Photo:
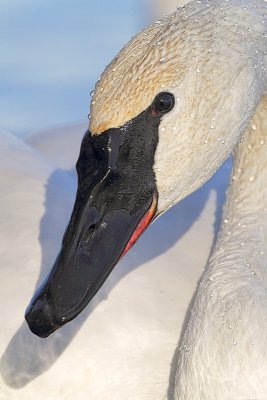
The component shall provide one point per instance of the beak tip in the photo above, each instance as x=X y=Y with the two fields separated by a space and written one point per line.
x=39 y=318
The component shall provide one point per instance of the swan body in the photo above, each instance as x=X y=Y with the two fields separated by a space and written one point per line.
x=183 y=92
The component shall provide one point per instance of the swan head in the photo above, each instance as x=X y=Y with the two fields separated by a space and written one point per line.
x=165 y=114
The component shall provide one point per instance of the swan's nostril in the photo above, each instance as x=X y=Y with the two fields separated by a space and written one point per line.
x=88 y=234
x=40 y=317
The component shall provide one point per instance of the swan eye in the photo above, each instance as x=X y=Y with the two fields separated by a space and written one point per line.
x=163 y=103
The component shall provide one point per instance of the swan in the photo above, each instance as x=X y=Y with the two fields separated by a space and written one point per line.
x=166 y=113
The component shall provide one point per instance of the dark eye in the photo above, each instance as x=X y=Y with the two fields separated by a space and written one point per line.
x=163 y=103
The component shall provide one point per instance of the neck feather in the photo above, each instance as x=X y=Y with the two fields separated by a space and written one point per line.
x=224 y=349
x=244 y=228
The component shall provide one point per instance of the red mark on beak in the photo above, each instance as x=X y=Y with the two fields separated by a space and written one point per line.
x=143 y=224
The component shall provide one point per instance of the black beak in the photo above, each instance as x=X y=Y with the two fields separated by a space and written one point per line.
x=116 y=200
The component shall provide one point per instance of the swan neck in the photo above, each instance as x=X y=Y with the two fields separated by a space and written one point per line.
x=242 y=240
x=220 y=339
x=246 y=203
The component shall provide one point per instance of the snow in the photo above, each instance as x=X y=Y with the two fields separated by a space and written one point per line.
x=124 y=345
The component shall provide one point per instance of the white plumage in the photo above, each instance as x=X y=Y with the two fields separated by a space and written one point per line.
x=221 y=47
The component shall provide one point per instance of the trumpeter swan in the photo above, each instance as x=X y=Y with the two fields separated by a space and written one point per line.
x=166 y=113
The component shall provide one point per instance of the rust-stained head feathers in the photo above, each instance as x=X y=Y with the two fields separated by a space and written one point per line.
x=147 y=65
x=197 y=55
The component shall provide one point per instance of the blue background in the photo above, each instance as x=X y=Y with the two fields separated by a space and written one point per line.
x=52 y=53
